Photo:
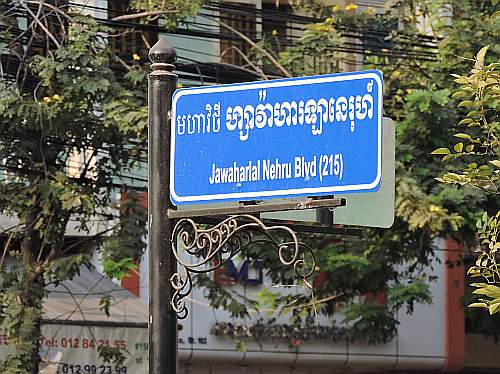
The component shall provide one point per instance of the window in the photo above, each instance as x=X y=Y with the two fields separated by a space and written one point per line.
x=242 y=18
x=124 y=42
x=274 y=29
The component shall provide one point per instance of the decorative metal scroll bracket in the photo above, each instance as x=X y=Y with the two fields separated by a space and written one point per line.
x=211 y=248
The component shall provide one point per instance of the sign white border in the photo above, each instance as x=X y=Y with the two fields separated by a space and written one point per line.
x=262 y=85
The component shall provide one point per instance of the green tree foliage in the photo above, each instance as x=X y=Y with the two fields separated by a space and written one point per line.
x=171 y=12
x=73 y=122
x=60 y=103
x=478 y=149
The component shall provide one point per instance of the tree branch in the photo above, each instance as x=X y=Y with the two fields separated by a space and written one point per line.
x=42 y=26
x=123 y=63
x=86 y=239
x=5 y=249
x=271 y=58
x=255 y=67
x=144 y=14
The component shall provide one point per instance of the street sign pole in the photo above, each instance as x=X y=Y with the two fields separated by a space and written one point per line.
x=162 y=322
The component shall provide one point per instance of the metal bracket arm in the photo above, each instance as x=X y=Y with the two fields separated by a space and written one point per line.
x=211 y=248
x=257 y=208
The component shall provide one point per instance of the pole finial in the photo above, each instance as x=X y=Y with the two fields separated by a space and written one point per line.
x=162 y=55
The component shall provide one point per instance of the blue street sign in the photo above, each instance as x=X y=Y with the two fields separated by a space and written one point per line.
x=289 y=137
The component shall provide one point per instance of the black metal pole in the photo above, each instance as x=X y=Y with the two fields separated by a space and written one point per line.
x=162 y=318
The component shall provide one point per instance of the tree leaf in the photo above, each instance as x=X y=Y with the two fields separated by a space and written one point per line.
x=480 y=57
x=441 y=151
x=465 y=103
x=496 y=163
x=458 y=95
x=466 y=121
x=477 y=305
x=494 y=308
x=462 y=136
x=478 y=284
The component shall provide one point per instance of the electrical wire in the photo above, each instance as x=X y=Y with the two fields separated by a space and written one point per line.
x=192 y=69
x=348 y=47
